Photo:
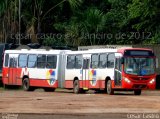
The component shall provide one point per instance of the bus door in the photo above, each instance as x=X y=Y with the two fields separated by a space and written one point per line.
x=85 y=72
x=118 y=69
x=12 y=71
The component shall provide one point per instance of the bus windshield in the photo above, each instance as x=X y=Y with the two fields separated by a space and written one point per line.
x=139 y=66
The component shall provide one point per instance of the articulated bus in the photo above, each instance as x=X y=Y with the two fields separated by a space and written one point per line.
x=131 y=69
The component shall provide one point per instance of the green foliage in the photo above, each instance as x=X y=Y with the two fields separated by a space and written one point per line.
x=81 y=26
x=146 y=14
x=75 y=3
x=85 y=22
x=2 y=6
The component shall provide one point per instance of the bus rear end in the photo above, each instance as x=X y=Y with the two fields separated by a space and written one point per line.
x=3 y=47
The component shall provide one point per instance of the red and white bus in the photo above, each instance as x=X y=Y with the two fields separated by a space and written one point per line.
x=110 y=69
x=31 y=69
x=130 y=69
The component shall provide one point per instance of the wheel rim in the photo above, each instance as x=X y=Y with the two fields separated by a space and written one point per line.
x=76 y=87
x=108 y=87
x=25 y=84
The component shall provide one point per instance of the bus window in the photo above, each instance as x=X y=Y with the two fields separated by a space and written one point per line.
x=70 y=62
x=32 y=60
x=11 y=62
x=110 y=62
x=41 y=61
x=78 y=63
x=85 y=63
x=22 y=60
x=6 y=60
x=103 y=61
x=15 y=62
x=51 y=62
x=94 y=61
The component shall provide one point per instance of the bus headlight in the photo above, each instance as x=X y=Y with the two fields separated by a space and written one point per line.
x=127 y=80
x=152 y=81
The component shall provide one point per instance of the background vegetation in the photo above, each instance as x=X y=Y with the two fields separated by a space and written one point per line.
x=80 y=22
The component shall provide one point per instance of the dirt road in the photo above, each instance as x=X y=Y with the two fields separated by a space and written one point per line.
x=65 y=104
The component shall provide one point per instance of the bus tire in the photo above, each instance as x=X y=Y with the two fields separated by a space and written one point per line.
x=137 y=92
x=26 y=85
x=76 y=87
x=49 y=89
x=110 y=91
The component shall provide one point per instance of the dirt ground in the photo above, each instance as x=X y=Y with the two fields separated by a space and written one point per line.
x=66 y=105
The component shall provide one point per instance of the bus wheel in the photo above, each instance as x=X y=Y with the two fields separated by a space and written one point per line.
x=49 y=89
x=110 y=91
x=137 y=92
x=26 y=85
x=76 y=88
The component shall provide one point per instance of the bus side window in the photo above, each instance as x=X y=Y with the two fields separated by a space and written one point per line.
x=51 y=62
x=103 y=61
x=94 y=61
x=70 y=61
x=22 y=62
x=41 y=61
x=15 y=62
x=32 y=61
x=6 y=60
x=110 y=60
x=11 y=62
x=78 y=62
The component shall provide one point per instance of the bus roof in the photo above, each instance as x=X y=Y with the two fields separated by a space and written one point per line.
x=92 y=51
x=122 y=50
x=33 y=51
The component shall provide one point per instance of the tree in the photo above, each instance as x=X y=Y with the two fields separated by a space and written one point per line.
x=81 y=22
x=36 y=14
x=145 y=16
x=9 y=22
x=84 y=27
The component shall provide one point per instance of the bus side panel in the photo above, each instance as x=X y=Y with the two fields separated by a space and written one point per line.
x=5 y=75
x=19 y=76
x=100 y=84
x=69 y=84
x=96 y=78
x=43 y=83
x=70 y=75
x=101 y=75
x=14 y=76
x=42 y=77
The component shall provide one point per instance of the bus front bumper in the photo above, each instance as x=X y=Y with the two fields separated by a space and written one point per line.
x=128 y=84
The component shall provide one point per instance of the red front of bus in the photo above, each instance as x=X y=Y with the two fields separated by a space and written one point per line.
x=138 y=72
